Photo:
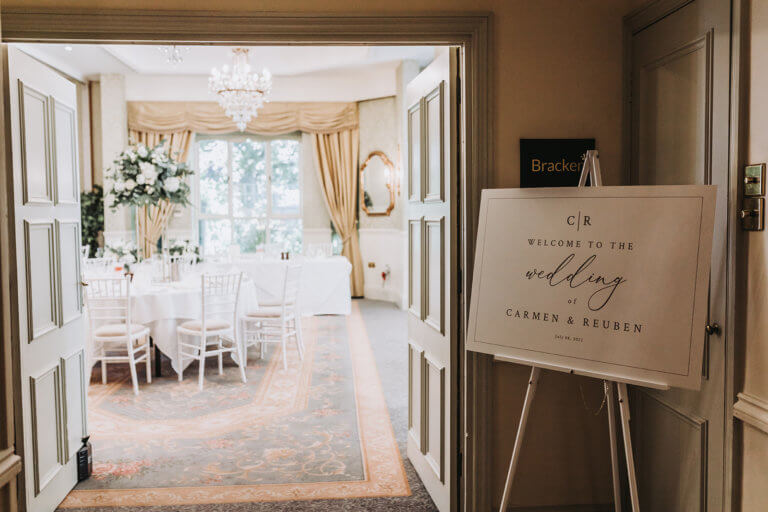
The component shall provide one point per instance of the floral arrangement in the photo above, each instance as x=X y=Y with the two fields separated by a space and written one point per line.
x=147 y=176
x=125 y=252
x=178 y=247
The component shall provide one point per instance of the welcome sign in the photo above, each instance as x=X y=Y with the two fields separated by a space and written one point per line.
x=607 y=281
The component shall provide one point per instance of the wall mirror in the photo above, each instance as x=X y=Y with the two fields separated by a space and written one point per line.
x=376 y=183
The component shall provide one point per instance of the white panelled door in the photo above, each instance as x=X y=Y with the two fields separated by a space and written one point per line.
x=46 y=206
x=431 y=99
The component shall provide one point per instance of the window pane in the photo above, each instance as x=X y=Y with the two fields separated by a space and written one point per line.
x=285 y=177
x=250 y=234
x=215 y=236
x=212 y=163
x=249 y=178
x=286 y=234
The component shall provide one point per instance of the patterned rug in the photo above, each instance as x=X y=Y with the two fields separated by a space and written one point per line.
x=319 y=430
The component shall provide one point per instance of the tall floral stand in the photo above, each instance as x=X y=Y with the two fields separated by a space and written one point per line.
x=151 y=221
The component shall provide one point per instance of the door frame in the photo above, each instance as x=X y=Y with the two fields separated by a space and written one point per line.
x=634 y=22
x=10 y=461
x=471 y=31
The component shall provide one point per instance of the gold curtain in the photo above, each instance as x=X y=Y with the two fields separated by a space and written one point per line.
x=273 y=118
x=152 y=220
x=336 y=161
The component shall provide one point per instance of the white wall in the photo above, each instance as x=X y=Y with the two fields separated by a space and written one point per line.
x=382 y=238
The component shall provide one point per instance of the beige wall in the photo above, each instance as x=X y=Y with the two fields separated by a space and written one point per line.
x=557 y=73
x=752 y=360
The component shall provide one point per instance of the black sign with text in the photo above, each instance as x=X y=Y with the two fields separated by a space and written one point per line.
x=552 y=162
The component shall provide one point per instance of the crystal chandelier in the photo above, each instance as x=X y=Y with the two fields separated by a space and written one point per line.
x=240 y=92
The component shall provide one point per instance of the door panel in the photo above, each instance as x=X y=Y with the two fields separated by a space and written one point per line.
x=670 y=460
x=74 y=393
x=42 y=106
x=680 y=67
x=432 y=242
x=67 y=172
x=47 y=429
x=40 y=278
x=35 y=150
x=434 y=273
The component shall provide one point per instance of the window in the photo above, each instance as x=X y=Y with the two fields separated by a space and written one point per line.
x=249 y=191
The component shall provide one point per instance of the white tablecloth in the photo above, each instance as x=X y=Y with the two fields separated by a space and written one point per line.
x=324 y=282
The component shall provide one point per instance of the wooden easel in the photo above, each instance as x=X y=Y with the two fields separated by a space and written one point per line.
x=590 y=169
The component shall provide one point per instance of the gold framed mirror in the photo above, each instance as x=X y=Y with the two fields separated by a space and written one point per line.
x=377 y=190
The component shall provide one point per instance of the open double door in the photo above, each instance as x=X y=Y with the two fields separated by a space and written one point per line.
x=46 y=217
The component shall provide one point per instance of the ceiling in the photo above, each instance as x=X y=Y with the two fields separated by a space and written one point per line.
x=85 y=60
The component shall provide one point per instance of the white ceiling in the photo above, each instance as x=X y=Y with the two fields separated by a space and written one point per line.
x=83 y=61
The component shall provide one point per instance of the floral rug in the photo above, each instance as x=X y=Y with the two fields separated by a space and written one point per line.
x=319 y=430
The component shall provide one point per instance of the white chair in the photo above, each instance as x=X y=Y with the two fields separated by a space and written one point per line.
x=277 y=321
x=216 y=325
x=116 y=338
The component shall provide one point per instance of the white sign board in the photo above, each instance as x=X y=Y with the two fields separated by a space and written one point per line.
x=608 y=281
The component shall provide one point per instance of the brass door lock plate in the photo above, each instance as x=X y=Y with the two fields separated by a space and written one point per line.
x=751 y=215
x=754 y=180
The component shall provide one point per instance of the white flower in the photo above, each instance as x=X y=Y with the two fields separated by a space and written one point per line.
x=128 y=258
x=150 y=190
x=119 y=186
x=140 y=179
x=131 y=155
x=173 y=168
x=172 y=184
x=129 y=185
x=110 y=199
x=149 y=172
x=142 y=151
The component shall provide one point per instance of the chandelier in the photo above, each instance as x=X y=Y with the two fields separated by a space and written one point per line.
x=240 y=92
x=174 y=55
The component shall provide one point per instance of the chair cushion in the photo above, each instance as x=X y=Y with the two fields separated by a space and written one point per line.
x=266 y=312
x=210 y=325
x=108 y=330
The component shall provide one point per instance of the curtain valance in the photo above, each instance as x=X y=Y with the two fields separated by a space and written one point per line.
x=273 y=119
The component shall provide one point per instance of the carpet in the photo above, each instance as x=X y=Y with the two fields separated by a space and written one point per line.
x=317 y=431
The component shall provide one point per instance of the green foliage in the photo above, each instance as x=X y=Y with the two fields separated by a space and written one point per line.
x=92 y=213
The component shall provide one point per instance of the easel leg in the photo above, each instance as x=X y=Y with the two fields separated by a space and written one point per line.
x=529 y=394
x=610 y=397
x=624 y=410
